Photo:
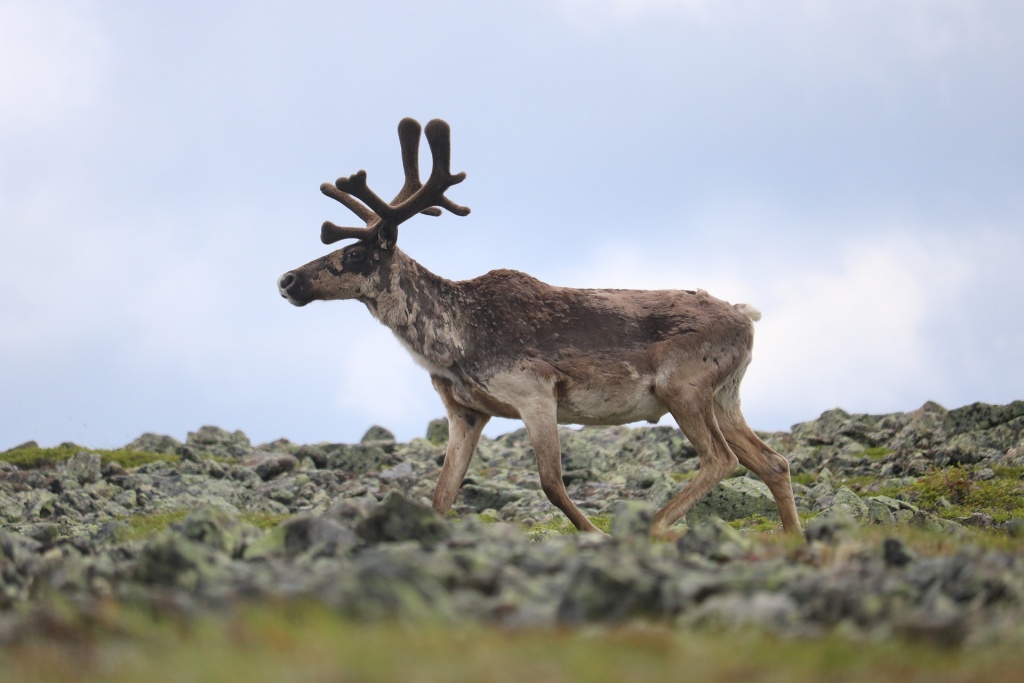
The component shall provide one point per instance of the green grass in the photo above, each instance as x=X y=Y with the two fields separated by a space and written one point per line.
x=303 y=642
x=949 y=492
x=876 y=453
x=757 y=523
x=560 y=524
x=143 y=526
x=953 y=492
x=35 y=457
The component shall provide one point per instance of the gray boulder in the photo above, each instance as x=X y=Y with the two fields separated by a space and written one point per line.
x=219 y=442
x=734 y=499
x=399 y=519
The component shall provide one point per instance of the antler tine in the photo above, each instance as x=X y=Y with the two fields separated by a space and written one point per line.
x=432 y=194
x=439 y=137
x=350 y=202
x=413 y=198
x=409 y=137
x=330 y=233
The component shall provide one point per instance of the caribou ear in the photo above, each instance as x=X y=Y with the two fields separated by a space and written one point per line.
x=387 y=236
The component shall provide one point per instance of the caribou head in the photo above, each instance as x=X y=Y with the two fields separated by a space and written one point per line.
x=354 y=271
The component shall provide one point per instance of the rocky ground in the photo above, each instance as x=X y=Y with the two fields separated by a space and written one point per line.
x=914 y=525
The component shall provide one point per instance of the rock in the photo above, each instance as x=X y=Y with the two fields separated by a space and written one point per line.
x=846 y=503
x=895 y=553
x=359 y=458
x=388 y=585
x=977 y=519
x=218 y=529
x=1014 y=527
x=399 y=519
x=304 y=534
x=611 y=588
x=83 y=467
x=437 y=431
x=920 y=430
x=487 y=496
x=155 y=443
x=83 y=537
x=377 y=433
x=314 y=453
x=269 y=465
x=10 y=509
x=734 y=499
x=924 y=520
x=716 y=540
x=170 y=559
x=402 y=470
x=878 y=513
x=730 y=611
x=219 y=442
x=829 y=528
x=632 y=518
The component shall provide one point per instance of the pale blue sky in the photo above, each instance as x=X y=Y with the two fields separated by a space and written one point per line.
x=853 y=169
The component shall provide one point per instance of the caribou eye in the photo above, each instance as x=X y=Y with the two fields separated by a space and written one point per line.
x=354 y=256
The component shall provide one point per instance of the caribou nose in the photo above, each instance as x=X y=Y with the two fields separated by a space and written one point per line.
x=285 y=282
x=292 y=286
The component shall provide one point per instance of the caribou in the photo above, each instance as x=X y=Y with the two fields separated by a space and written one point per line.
x=506 y=344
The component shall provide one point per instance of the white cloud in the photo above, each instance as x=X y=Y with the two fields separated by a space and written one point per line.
x=867 y=31
x=856 y=334
x=848 y=327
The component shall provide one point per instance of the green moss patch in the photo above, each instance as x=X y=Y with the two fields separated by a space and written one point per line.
x=33 y=457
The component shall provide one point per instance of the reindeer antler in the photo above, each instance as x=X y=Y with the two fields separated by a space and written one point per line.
x=413 y=198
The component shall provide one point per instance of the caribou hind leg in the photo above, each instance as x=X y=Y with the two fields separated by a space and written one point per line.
x=542 y=426
x=694 y=412
x=761 y=459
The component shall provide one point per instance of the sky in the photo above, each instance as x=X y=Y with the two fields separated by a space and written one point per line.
x=852 y=168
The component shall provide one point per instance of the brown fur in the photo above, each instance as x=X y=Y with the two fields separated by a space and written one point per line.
x=506 y=344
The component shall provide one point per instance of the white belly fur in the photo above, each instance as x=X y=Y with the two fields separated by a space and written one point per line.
x=592 y=406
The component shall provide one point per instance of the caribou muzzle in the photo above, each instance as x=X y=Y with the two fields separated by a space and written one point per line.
x=293 y=287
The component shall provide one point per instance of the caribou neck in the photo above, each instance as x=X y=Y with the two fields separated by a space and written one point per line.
x=414 y=304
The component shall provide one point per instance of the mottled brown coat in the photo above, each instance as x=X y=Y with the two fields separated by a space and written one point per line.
x=506 y=344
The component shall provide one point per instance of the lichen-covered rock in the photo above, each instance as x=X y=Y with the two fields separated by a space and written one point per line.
x=218 y=529
x=714 y=539
x=831 y=528
x=846 y=503
x=219 y=442
x=611 y=588
x=10 y=508
x=734 y=499
x=156 y=443
x=356 y=459
x=632 y=518
x=83 y=467
x=304 y=534
x=269 y=464
x=437 y=431
x=377 y=433
x=399 y=519
x=356 y=531
x=171 y=559
x=488 y=495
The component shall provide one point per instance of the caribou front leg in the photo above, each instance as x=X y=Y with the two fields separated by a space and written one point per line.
x=464 y=428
